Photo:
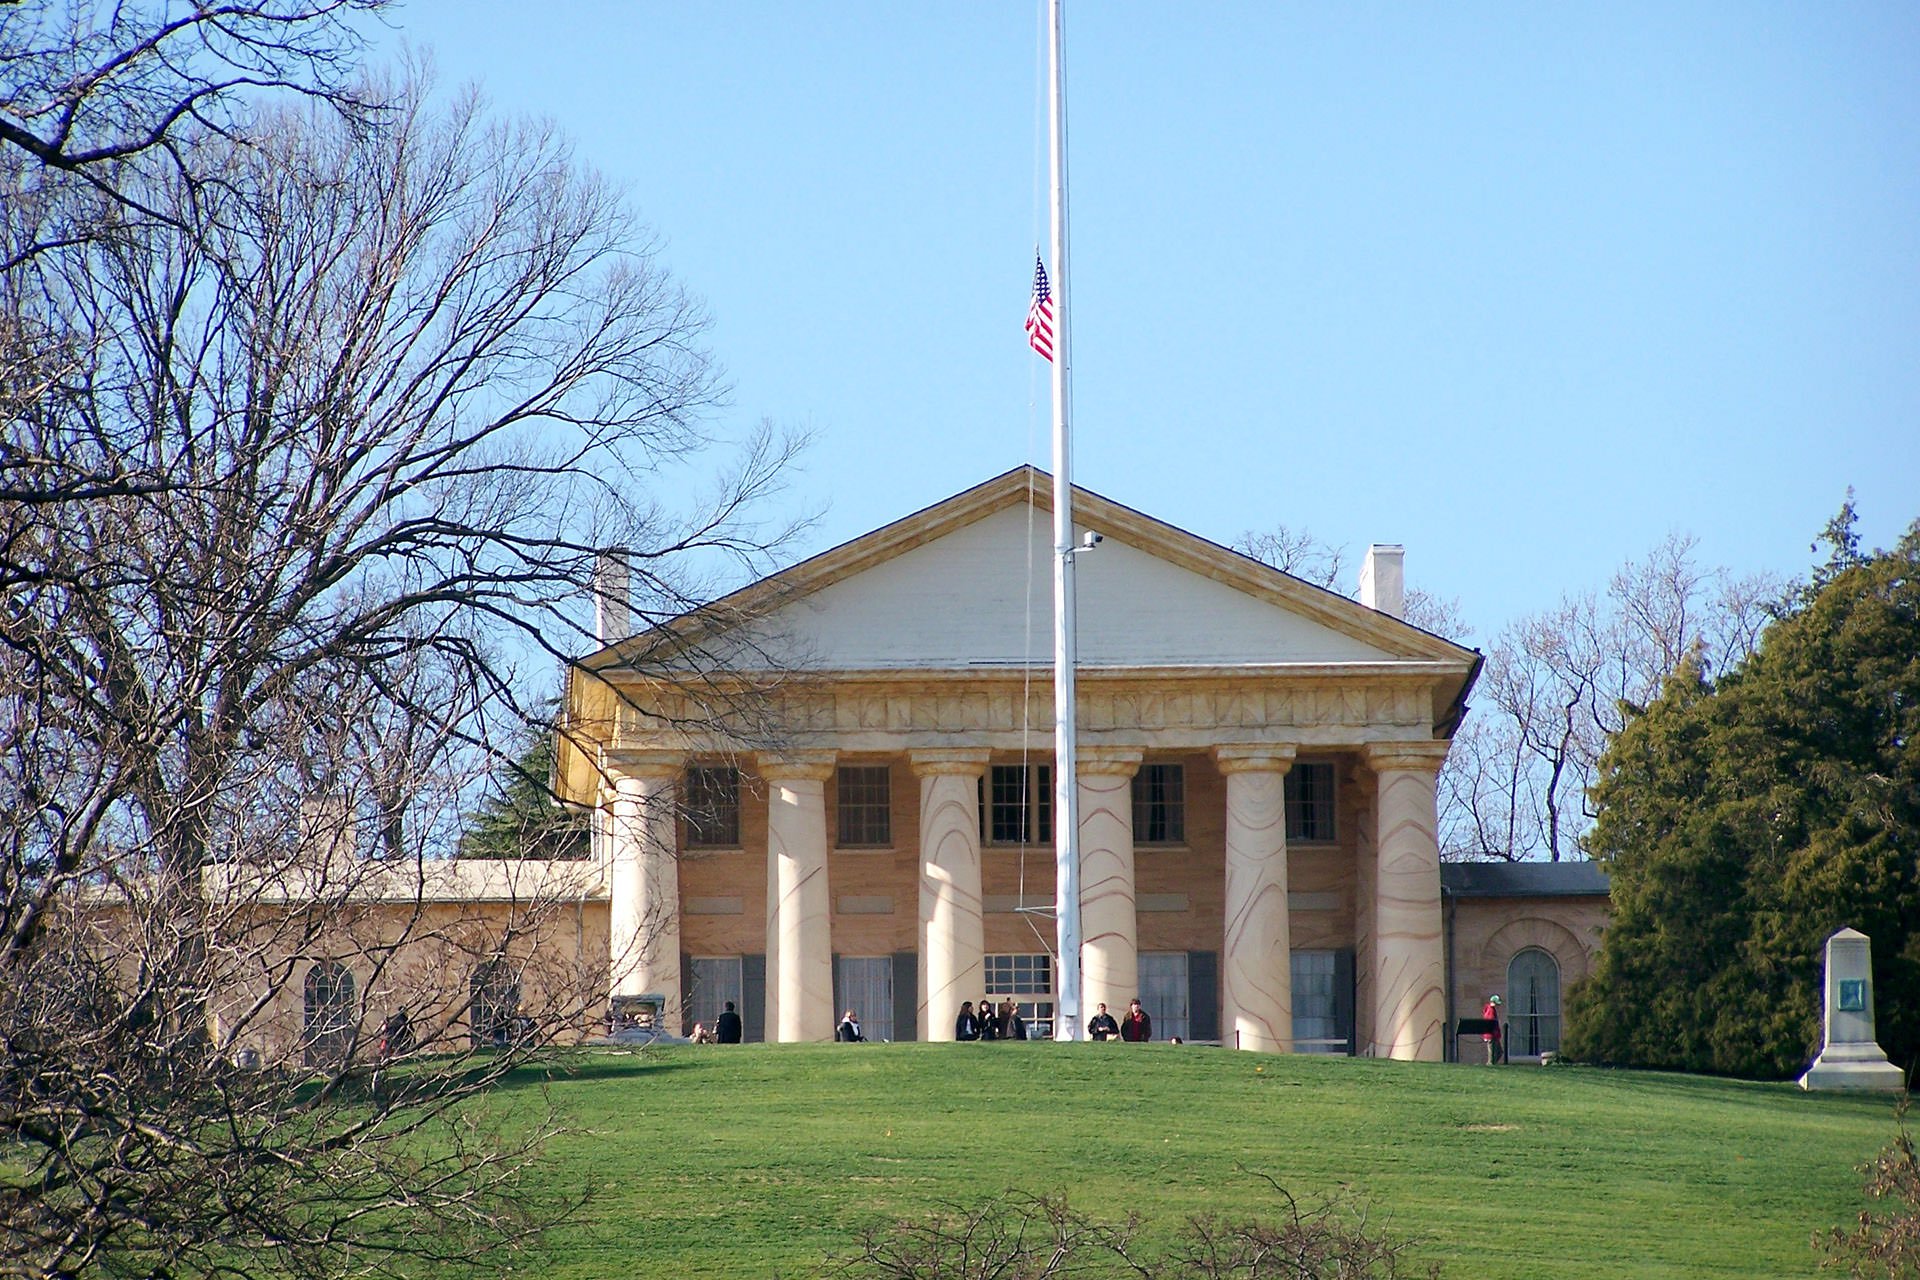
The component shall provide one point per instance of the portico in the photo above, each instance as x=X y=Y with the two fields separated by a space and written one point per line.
x=1256 y=767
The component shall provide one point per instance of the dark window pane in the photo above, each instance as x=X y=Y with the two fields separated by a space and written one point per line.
x=1160 y=804
x=1309 y=791
x=713 y=806
x=864 y=804
x=1019 y=804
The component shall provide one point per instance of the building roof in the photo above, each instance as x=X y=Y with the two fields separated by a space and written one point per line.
x=1336 y=628
x=959 y=594
x=1522 y=880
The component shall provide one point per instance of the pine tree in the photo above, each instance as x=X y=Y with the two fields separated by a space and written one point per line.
x=520 y=817
x=1746 y=820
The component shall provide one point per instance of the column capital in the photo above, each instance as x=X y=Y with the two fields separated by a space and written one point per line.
x=933 y=762
x=795 y=766
x=1112 y=762
x=1252 y=758
x=1420 y=757
x=643 y=764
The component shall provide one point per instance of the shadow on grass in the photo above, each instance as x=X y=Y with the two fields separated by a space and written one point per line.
x=1730 y=1091
x=584 y=1066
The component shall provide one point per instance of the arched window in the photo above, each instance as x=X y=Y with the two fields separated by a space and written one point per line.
x=493 y=1011
x=1533 y=1004
x=330 y=1021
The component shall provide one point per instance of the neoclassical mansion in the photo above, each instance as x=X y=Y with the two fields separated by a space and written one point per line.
x=832 y=790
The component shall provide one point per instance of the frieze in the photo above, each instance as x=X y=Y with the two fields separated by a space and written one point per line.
x=1262 y=708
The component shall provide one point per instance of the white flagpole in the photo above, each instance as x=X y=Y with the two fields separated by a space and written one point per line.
x=1066 y=791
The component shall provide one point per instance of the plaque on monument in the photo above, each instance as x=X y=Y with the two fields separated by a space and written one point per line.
x=1851 y=1058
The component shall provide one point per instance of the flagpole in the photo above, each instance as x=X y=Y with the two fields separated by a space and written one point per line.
x=1066 y=793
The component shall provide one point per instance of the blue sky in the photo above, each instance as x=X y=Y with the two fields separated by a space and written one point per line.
x=1523 y=288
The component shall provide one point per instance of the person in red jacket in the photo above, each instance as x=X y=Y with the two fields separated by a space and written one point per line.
x=1496 y=1044
x=1136 y=1027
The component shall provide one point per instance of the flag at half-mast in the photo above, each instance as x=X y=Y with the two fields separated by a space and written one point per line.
x=1040 y=311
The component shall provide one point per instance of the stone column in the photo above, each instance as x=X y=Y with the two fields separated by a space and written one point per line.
x=1256 y=962
x=1361 y=800
x=952 y=932
x=1109 y=923
x=1409 y=967
x=799 y=926
x=643 y=878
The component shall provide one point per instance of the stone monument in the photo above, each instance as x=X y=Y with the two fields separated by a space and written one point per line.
x=1851 y=1058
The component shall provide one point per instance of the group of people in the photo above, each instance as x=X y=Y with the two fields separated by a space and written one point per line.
x=1135 y=1028
x=726 y=1029
x=989 y=1022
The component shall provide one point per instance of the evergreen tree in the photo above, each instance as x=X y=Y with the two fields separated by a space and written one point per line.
x=520 y=817
x=1744 y=821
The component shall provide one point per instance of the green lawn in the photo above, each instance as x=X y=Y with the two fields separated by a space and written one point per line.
x=764 y=1160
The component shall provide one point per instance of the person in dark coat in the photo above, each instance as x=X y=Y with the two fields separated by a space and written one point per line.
x=966 y=1026
x=988 y=1029
x=396 y=1034
x=1102 y=1025
x=849 y=1028
x=1136 y=1027
x=1016 y=1025
x=726 y=1027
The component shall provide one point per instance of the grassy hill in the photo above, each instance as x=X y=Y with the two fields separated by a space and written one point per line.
x=763 y=1160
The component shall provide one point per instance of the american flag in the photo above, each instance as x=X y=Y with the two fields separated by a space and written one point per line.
x=1040 y=311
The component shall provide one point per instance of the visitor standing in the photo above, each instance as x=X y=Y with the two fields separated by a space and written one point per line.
x=726 y=1027
x=1496 y=1047
x=1137 y=1027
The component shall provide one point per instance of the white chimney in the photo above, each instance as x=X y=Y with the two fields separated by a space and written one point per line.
x=1383 y=579
x=612 y=601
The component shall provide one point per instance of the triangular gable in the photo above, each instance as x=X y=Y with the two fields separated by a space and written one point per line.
x=968 y=583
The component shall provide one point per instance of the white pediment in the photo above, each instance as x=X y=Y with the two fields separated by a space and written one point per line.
x=982 y=595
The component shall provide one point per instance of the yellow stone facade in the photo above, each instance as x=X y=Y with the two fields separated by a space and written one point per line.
x=1302 y=689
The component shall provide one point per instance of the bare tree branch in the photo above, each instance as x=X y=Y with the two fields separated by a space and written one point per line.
x=305 y=483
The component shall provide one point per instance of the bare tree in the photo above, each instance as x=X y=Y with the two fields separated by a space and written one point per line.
x=302 y=477
x=1298 y=552
x=91 y=92
x=1560 y=683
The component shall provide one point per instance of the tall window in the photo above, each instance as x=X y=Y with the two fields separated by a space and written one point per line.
x=864 y=804
x=865 y=984
x=1533 y=1004
x=713 y=807
x=1018 y=806
x=327 y=1033
x=1309 y=791
x=716 y=980
x=1163 y=993
x=1027 y=980
x=1316 y=1009
x=1160 y=804
x=493 y=1007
